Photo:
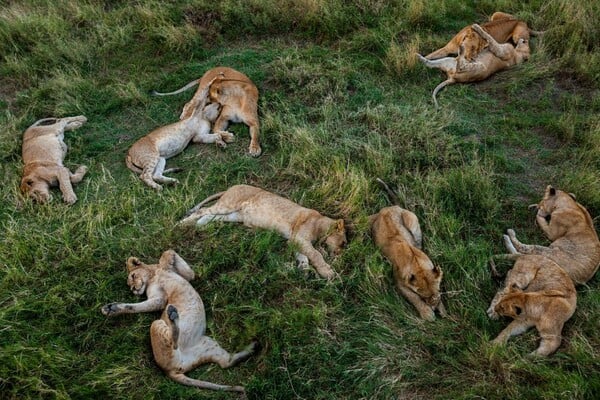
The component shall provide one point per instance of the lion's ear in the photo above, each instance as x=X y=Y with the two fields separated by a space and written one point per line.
x=133 y=263
x=436 y=270
x=340 y=225
x=550 y=190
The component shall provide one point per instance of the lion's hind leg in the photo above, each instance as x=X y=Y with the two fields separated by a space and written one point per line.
x=164 y=348
x=524 y=248
x=205 y=351
x=184 y=380
x=148 y=172
x=203 y=216
x=79 y=174
x=208 y=350
x=446 y=64
x=159 y=170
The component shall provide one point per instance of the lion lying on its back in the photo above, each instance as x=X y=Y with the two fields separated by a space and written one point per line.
x=178 y=338
x=257 y=208
x=43 y=153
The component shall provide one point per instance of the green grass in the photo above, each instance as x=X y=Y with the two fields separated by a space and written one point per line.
x=342 y=102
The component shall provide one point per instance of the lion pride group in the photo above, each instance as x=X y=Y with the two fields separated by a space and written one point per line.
x=539 y=290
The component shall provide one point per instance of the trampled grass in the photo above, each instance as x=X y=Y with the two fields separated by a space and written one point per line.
x=342 y=102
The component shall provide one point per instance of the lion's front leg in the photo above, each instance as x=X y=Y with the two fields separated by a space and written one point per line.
x=516 y=327
x=316 y=259
x=504 y=51
x=424 y=309
x=170 y=259
x=64 y=182
x=152 y=304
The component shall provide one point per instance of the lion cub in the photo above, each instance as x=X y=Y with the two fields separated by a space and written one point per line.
x=178 y=338
x=537 y=292
x=44 y=150
x=398 y=234
x=257 y=208
x=148 y=156
x=575 y=245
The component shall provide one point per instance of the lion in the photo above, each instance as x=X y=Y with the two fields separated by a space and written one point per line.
x=537 y=292
x=575 y=245
x=44 y=150
x=257 y=208
x=397 y=233
x=502 y=27
x=238 y=97
x=496 y=57
x=148 y=156
x=178 y=338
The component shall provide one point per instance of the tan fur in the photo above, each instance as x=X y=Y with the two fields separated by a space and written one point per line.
x=44 y=150
x=398 y=234
x=238 y=97
x=178 y=338
x=575 y=245
x=257 y=208
x=502 y=27
x=148 y=155
x=496 y=57
x=537 y=292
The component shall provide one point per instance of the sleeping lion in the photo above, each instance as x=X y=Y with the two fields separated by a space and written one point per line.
x=257 y=208
x=537 y=293
x=398 y=234
x=44 y=150
x=178 y=338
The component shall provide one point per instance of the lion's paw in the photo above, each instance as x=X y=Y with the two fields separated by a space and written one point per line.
x=110 y=309
x=70 y=199
x=172 y=313
x=227 y=136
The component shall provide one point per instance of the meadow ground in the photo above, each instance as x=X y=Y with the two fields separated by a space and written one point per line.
x=343 y=101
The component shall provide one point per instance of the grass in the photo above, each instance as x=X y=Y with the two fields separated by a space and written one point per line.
x=342 y=102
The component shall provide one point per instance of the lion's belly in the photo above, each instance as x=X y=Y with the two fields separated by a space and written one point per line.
x=269 y=216
x=170 y=147
x=45 y=149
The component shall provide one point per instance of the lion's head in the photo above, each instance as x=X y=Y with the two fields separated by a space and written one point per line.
x=553 y=200
x=139 y=275
x=511 y=305
x=471 y=45
x=36 y=188
x=336 y=240
x=421 y=276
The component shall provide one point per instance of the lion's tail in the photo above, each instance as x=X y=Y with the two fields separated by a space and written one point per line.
x=184 y=380
x=203 y=202
x=439 y=87
x=536 y=33
x=132 y=166
x=183 y=89
x=393 y=195
x=41 y=121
